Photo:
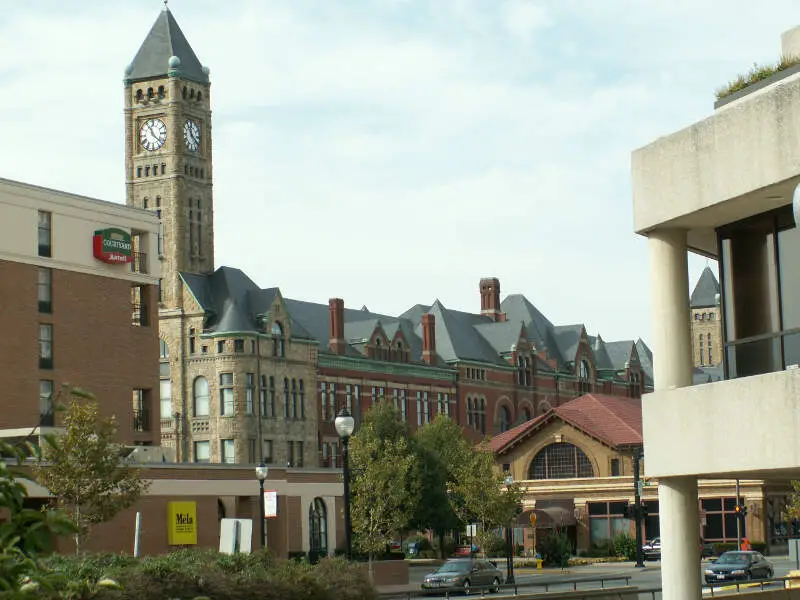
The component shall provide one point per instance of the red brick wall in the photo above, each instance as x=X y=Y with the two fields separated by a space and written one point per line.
x=95 y=347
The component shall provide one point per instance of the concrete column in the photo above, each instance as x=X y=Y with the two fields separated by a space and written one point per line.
x=679 y=517
x=669 y=273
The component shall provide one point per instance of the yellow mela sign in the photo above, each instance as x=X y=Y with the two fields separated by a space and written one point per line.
x=182 y=523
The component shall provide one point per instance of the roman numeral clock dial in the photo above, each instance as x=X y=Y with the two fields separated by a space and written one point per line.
x=191 y=135
x=153 y=134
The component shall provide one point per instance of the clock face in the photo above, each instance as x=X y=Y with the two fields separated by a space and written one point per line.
x=153 y=134
x=191 y=135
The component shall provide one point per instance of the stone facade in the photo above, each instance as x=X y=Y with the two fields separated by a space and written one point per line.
x=706 y=324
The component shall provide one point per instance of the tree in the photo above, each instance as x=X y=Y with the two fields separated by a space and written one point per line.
x=83 y=469
x=440 y=447
x=384 y=492
x=792 y=510
x=480 y=494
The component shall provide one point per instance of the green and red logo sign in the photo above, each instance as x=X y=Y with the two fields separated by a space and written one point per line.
x=113 y=246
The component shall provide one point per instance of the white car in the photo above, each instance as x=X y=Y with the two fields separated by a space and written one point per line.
x=652 y=549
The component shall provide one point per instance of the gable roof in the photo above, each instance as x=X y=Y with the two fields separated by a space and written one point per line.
x=706 y=290
x=164 y=41
x=614 y=420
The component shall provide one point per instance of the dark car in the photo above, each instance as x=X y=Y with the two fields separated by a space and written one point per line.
x=652 y=549
x=737 y=566
x=463 y=574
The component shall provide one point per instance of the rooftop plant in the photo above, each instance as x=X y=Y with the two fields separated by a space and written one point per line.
x=755 y=74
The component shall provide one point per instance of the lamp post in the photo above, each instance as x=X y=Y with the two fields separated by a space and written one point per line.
x=509 y=480
x=637 y=515
x=261 y=475
x=345 y=424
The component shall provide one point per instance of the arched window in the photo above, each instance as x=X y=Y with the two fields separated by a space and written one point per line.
x=150 y=92
x=505 y=419
x=585 y=374
x=139 y=95
x=469 y=411
x=560 y=461
x=482 y=415
x=201 y=404
x=526 y=414
x=278 y=348
x=184 y=92
x=318 y=527
x=199 y=96
x=161 y=91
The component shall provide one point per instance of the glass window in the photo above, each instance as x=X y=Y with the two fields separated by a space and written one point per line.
x=238 y=346
x=560 y=461
x=227 y=451
x=267 y=451
x=202 y=452
x=45 y=233
x=271 y=396
x=286 y=413
x=45 y=346
x=249 y=392
x=201 y=399
x=226 y=402
x=615 y=467
x=505 y=418
x=166 y=399
x=46 y=414
x=45 y=290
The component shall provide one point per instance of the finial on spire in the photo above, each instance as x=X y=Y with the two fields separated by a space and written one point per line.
x=165 y=4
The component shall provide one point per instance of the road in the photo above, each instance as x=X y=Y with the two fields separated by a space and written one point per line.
x=643 y=578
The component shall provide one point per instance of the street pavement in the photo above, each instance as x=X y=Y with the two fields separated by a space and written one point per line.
x=580 y=577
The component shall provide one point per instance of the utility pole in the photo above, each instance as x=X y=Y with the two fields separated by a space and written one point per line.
x=637 y=514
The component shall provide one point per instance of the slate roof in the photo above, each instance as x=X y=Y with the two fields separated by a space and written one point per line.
x=233 y=302
x=707 y=374
x=164 y=41
x=645 y=359
x=613 y=420
x=706 y=290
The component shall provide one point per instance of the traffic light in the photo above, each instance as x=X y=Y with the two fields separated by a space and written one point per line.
x=644 y=510
x=629 y=512
x=741 y=510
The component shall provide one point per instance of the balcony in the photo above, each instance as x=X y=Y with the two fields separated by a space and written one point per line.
x=743 y=427
x=141 y=420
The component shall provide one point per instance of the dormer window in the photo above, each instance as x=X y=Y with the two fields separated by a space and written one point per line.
x=278 y=343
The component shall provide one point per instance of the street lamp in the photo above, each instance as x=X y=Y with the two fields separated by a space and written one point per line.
x=345 y=424
x=509 y=480
x=261 y=475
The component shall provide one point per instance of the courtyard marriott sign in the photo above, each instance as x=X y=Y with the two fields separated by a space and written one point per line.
x=113 y=246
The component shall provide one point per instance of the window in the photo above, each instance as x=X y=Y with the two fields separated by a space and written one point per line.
x=505 y=418
x=45 y=233
x=267 y=450
x=606 y=521
x=419 y=408
x=760 y=284
x=46 y=413
x=166 y=398
x=323 y=400
x=615 y=472
x=560 y=461
x=278 y=347
x=720 y=519
x=331 y=402
x=249 y=392
x=272 y=396
x=238 y=346
x=251 y=450
x=403 y=405
x=447 y=405
x=220 y=346
x=252 y=346
x=318 y=528
x=285 y=398
x=45 y=290
x=192 y=341
x=163 y=349
x=202 y=452
x=201 y=400
x=426 y=408
x=295 y=410
x=262 y=396
x=298 y=454
x=289 y=454
x=140 y=316
x=227 y=452
x=302 y=399
x=226 y=402
x=585 y=375
x=45 y=346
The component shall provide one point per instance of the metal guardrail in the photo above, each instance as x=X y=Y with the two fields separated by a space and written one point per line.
x=514 y=588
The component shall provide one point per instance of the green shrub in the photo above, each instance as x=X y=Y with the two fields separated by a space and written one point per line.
x=556 y=549
x=423 y=543
x=494 y=545
x=449 y=545
x=624 y=546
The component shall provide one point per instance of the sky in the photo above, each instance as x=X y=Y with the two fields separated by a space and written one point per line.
x=392 y=152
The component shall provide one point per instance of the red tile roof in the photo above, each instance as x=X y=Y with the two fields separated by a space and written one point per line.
x=614 y=420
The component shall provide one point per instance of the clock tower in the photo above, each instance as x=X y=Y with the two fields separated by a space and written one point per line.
x=168 y=167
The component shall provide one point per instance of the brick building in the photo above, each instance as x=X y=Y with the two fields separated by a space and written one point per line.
x=77 y=304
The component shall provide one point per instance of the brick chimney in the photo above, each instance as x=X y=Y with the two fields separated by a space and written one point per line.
x=429 y=339
x=336 y=342
x=490 y=299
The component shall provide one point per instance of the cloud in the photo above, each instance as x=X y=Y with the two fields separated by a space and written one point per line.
x=393 y=152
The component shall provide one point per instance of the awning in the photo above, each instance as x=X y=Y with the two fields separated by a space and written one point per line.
x=550 y=514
